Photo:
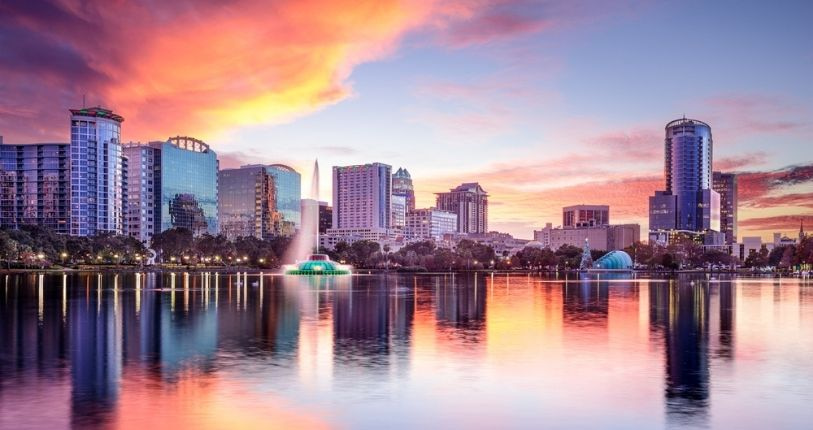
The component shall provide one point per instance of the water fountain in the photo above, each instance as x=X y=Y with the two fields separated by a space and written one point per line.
x=305 y=248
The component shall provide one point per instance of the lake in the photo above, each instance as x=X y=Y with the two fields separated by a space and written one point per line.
x=208 y=351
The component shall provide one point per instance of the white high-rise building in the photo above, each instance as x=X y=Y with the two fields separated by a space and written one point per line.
x=362 y=196
x=143 y=191
x=362 y=204
x=97 y=182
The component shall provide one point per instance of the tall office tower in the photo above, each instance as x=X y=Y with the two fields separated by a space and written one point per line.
x=35 y=185
x=247 y=203
x=585 y=216
x=96 y=173
x=171 y=184
x=402 y=186
x=288 y=193
x=470 y=202
x=361 y=196
x=688 y=204
x=144 y=189
x=399 y=212
x=726 y=185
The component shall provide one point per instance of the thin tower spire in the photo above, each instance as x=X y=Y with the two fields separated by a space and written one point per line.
x=315 y=195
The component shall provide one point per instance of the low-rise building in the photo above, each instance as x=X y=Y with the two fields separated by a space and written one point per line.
x=604 y=237
x=429 y=224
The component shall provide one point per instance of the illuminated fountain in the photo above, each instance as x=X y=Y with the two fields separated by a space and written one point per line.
x=305 y=247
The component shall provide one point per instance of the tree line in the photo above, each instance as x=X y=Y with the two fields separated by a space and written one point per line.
x=34 y=246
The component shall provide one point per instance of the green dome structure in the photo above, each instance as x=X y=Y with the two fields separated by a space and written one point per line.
x=614 y=260
x=317 y=264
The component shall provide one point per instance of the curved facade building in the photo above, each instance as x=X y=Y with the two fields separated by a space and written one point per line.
x=188 y=184
x=97 y=177
x=688 y=150
x=688 y=203
x=171 y=183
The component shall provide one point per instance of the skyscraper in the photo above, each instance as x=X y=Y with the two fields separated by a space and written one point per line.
x=188 y=185
x=399 y=212
x=726 y=185
x=361 y=196
x=288 y=193
x=470 y=202
x=171 y=184
x=247 y=203
x=143 y=191
x=35 y=185
x=96 y=172
x=362 y=205
x=688 y=204
x=402 y=186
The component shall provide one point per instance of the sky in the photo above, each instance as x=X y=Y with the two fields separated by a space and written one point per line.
x=544 y=103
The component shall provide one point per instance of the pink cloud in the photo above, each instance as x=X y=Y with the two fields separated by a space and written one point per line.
x=738 y=162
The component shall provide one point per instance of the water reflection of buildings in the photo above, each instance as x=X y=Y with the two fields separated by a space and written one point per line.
x=361 y=328
x=681 y=312
x=96 y=348
x=586 y=302
x=460 y=303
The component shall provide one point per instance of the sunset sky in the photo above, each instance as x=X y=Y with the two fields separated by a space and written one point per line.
x=545 y=103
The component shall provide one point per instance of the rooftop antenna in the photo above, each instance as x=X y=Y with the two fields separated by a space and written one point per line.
x=83 y=101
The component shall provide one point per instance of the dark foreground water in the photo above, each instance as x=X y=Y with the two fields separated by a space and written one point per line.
x=220 y=352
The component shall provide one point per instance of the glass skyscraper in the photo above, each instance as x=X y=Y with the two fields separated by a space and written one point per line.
x=188 y=183
x=96 y=172
x=688 y=204
x=171 y=184
x=726 y=185
x=34 y=185
x=288 y=183
x=288 y=195
x=247 y=203
x=402 y=186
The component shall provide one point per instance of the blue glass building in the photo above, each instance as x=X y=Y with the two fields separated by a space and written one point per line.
x=188 y=184
x=688 y=204
x=288 y=194
x=171 y=184
x=96 y=172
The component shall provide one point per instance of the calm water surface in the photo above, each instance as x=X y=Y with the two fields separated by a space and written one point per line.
x=147 y=351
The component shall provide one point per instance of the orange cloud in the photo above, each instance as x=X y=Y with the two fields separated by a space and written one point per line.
x=200 y=67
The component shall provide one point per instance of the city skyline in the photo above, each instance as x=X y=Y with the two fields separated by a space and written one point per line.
x=531 y=102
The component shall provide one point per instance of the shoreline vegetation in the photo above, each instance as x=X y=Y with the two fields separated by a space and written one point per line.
x=637 y=273
x=33 y=248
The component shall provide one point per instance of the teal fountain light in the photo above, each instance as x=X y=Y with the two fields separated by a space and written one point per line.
x=317 y=264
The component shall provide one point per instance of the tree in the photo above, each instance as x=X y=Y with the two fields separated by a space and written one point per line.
x=716 y=257
x=568 y=256
x=174 y=242
x=757 y=259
